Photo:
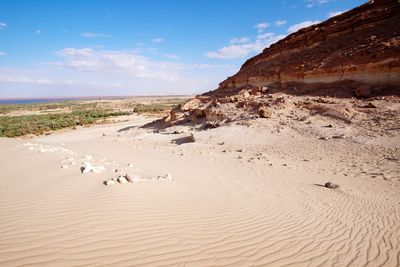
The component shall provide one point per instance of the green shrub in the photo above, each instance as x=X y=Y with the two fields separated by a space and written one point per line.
x=13 y=126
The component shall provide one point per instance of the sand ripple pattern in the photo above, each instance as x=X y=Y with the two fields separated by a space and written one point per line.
x=245 y=217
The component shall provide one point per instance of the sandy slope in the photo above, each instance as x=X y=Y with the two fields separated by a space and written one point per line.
x=253 y=200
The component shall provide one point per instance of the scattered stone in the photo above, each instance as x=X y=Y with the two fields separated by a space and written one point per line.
x=212 y=124
x=128 y=178
x=167 y=178
x=264 y=89
x=221 y=144
x=130 y=165
x=109 y=182
x=122 y=180
x=64 y=167
x=332 y=185
x=240 y=150
x=264 y=112
x=88 y=167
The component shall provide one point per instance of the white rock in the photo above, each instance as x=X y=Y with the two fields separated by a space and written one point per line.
x=130 y=165
x=109 y=182
x=167 y=178
x=87 y=167
x=122 y=180
x=64 y=167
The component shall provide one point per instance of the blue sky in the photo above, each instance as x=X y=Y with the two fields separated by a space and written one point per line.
x=140 y=47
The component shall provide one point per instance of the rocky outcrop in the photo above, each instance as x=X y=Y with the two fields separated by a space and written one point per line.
x=361 y=45
x=355 y=54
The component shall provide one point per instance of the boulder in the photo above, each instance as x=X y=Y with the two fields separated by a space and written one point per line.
x=264 y=112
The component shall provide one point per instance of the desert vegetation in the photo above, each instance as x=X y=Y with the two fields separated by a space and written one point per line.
x=41 y=118
x=14 y=126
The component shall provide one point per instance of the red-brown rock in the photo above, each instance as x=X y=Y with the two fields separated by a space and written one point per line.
x=361 y=45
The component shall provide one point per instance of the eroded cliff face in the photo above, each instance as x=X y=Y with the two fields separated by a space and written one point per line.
x=346 y=68
x=361 y=45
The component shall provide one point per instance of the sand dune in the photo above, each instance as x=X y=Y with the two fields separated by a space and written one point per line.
x=253 y=200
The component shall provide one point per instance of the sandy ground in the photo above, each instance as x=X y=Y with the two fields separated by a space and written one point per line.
x=239 y=196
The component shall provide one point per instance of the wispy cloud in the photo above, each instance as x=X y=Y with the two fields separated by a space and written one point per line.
x=172 y=56
x=241 y=40
x=280 y=22
x=2 y=25
x=262 y=26
x=157 y=40
x=90 y=71
x=304 y=24
x=2 y=53
x=335 y=13
x=241 y=48
x=95 y=35
x=119 y=62
x=311 y=3
x=38 y=31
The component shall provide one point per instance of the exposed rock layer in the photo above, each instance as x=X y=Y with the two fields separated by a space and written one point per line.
x=361 y=45
x=356 y=54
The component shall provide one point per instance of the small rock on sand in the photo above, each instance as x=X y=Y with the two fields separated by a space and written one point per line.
x=109 y=182
x=167 y=177
x=331 y=185
x=122 y=180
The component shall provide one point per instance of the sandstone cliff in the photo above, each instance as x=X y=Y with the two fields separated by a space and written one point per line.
x=315 y=72
x=361 y=45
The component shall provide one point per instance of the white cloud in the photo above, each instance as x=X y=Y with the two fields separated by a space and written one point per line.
x=2 y=25
x=335 y=13
x=157 y=40
x=241 y=40
x=298 y=26
x=171 y=56
x=38 y=31
x=311 y=3
x=86 y=71
x=262 y=26
x=242 y=50
x=280 y=22
x=2 y=53
x=95 y=35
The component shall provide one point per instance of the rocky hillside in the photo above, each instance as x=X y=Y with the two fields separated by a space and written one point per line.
x=345 y=70
x=361 y=45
